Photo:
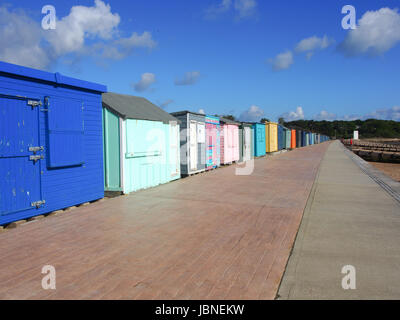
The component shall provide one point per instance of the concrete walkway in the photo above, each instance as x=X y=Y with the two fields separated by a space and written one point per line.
x=216 y=235
x=349 y=220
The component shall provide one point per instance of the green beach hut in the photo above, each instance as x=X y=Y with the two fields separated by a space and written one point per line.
x=141 y=144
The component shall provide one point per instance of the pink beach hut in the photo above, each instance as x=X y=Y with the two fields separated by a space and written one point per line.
x=229 y=136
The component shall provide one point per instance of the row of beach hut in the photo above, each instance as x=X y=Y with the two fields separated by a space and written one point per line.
x=65 y=141
x=296 y=138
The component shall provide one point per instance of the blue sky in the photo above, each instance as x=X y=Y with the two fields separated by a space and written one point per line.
x=240 y=57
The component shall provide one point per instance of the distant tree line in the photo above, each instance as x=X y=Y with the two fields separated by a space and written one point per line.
x=370 y=128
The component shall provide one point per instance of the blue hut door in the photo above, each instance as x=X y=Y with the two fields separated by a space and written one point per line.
x=20 y=155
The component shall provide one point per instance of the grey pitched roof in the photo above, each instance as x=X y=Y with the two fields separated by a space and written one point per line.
x=133 y=107
x=181 y=113
x=228 y=121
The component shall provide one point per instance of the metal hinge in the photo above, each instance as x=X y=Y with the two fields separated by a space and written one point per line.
x=36 y=158
x=38 y=204
x=34 y=103
x=36 y=149
x=46 y=104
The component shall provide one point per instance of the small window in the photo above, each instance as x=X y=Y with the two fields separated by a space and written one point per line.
x=201 y=133
x=65 y=132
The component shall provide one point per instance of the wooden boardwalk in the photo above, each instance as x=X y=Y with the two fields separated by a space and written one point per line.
x=215 y=235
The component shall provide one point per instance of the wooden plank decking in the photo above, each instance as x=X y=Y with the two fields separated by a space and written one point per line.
x=215 y=235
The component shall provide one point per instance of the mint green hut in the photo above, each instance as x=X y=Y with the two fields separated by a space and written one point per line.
x=141 y=144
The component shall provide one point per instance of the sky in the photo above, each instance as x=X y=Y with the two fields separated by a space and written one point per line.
x=248 y=58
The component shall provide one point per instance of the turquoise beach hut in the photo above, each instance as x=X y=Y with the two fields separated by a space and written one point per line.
x=141 y=144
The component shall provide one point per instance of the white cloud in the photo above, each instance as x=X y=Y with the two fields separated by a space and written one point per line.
x=201 y=111
x=376 y=32
x=213 y=11
x=84 y=31
x=146 y=80
x=245 y=8
x=20 y=38
x=325 y=115
x=308 y=46
x=294 y=115
x=313 y=43
x=242 y=8
x=188 y=79
x=252 y=114
x=392 y=113
x=282 y=61
x=135 y=40
x=122 y=47
x=349 y=117
x=83 y=23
